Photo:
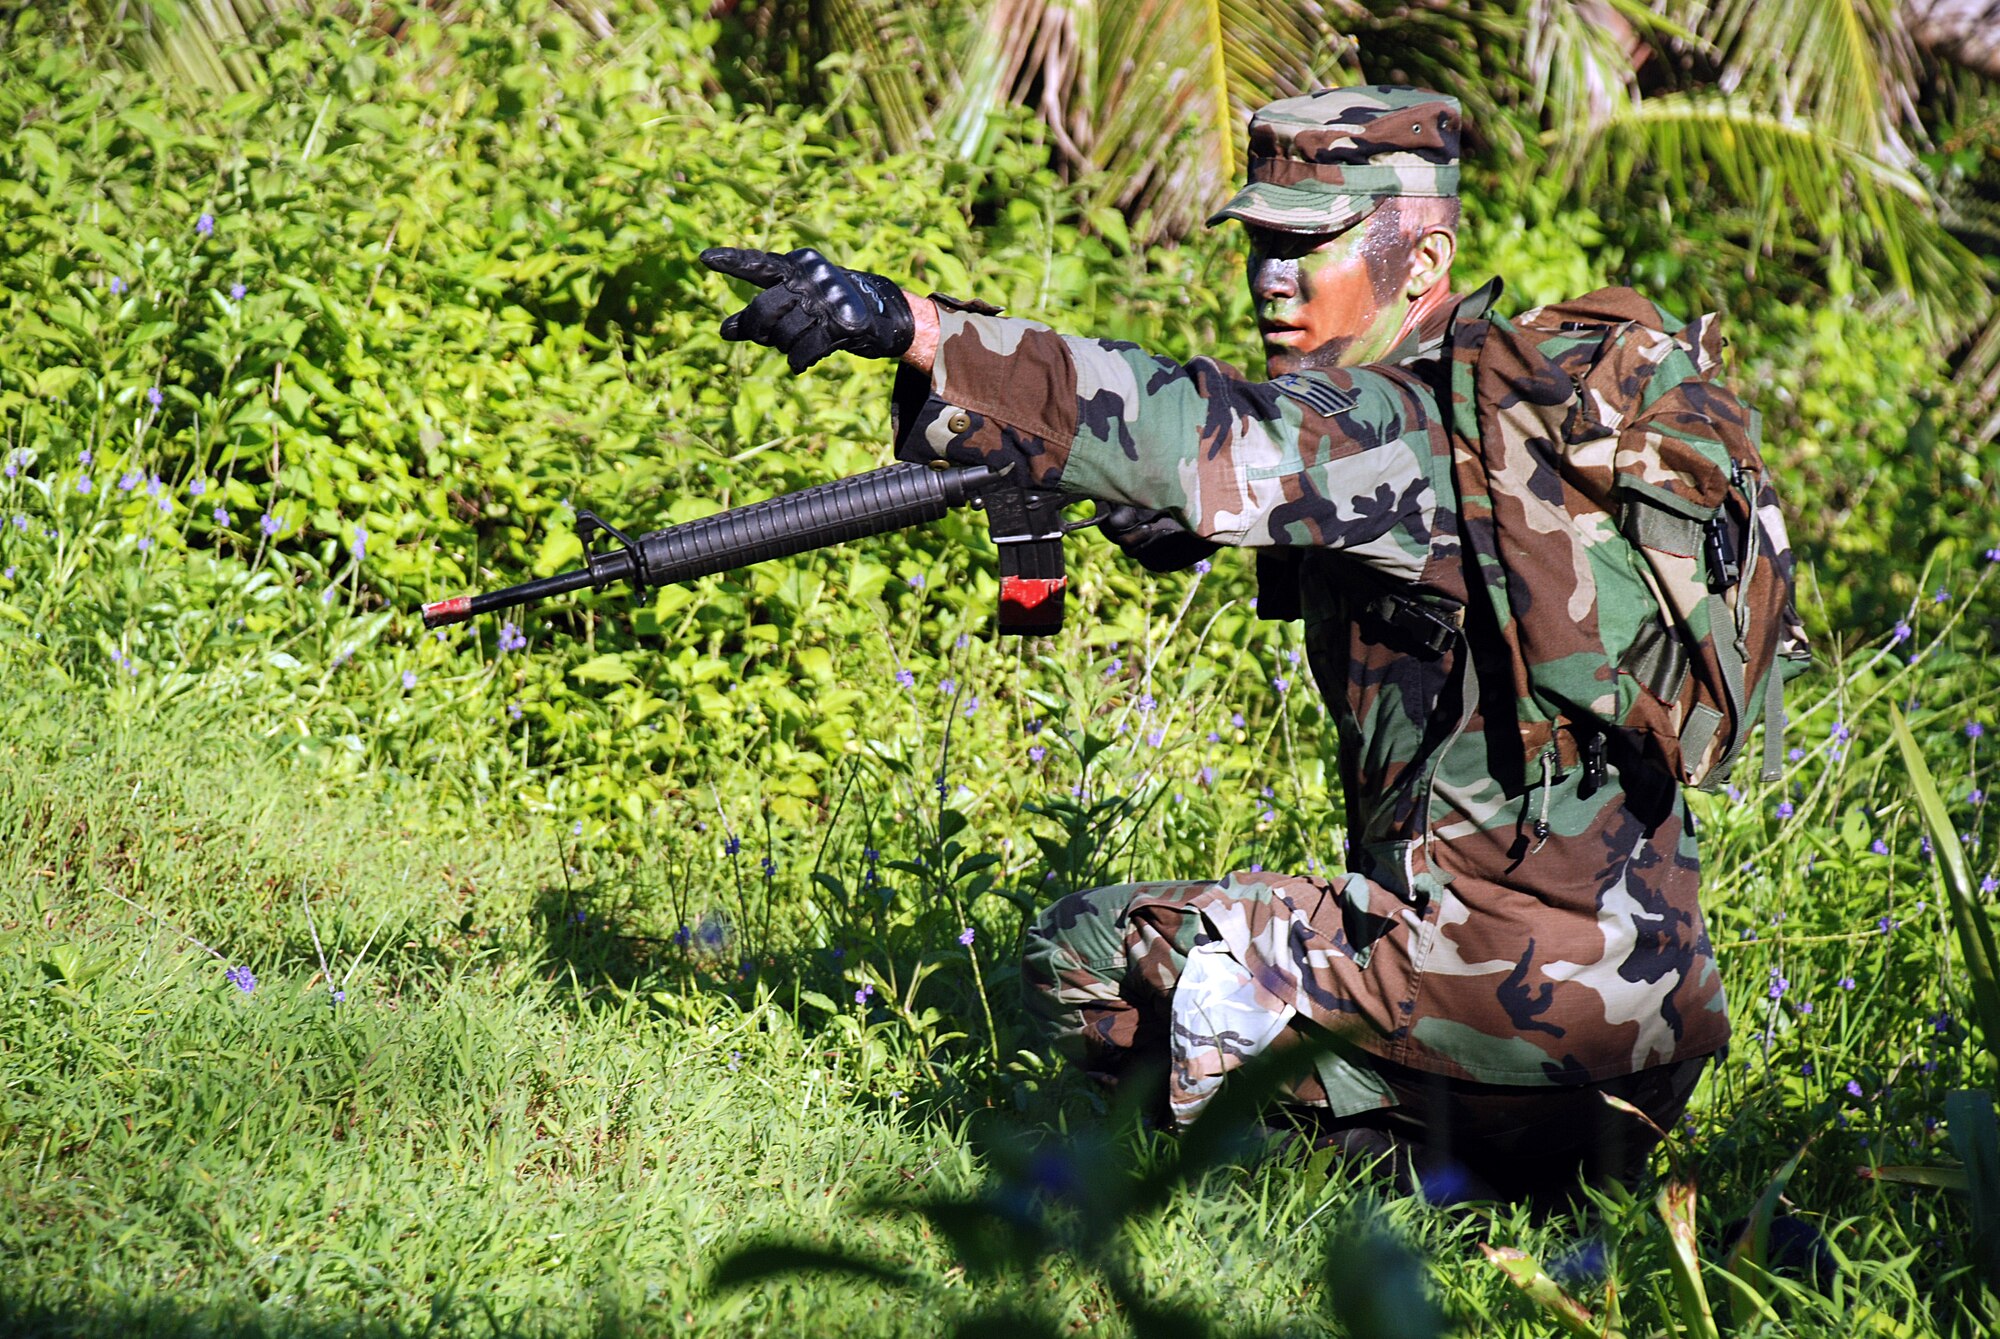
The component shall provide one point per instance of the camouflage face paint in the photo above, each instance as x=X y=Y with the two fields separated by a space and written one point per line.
x=1326 y=302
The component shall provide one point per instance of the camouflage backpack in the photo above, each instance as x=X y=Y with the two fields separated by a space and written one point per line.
x=1617 y=512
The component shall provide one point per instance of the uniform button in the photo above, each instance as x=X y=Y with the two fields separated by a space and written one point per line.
x=959 y=421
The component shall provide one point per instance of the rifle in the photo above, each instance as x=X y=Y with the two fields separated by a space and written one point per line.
x=1026 y=524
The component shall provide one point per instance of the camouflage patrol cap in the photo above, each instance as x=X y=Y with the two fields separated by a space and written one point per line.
x=1326 y=160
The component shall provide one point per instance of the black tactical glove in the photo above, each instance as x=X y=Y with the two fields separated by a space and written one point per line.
x=810 y=306
x=1155 y=538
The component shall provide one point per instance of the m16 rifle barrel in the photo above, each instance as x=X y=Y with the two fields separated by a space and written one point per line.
x=892 y=498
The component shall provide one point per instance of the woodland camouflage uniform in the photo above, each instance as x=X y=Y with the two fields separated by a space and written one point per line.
x=1458 y=942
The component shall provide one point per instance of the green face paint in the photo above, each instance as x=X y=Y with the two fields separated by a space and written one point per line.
x=1334 y=301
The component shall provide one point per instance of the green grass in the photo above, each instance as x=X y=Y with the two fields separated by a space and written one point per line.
x=517 y=1123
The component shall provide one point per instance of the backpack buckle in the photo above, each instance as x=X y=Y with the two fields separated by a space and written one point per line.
x=1723 y=568
x=1432 y=630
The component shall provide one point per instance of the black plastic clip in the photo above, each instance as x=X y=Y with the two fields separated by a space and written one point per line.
x=1595 y=773
x=1723 y=569
x=588 y=525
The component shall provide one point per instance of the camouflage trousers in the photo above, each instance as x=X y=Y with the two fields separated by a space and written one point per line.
x=1193 y=979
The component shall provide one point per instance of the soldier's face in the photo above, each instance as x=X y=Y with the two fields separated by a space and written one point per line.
x=1332 y=300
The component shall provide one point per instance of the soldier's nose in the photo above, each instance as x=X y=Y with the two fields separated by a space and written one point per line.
x=1272 y=278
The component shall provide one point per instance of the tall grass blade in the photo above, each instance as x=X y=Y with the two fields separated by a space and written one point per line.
x=1676 y=1205
x=1975 y=931
x=1975 y=1133
x=1526 y=1273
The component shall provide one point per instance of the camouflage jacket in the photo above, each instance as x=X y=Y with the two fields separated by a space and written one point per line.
x=1465 y=945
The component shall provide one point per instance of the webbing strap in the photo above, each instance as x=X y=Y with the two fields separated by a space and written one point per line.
x=1702 y=723
x=1655 y=527
x=1774 y=726
x=1721 y=626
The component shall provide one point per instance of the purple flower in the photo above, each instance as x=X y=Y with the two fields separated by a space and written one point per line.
x=1841 y=734
x=861 y=995
x=166 y=505
x=1201 y=568
x=511 y=637
x=1885 y=925
x=769 y=866
x=9 y=574
x=1993 y=555
x=154 y=486
x=205 y=224
x=1116 y=665
x=1805 y=1006
x=1779 y=985
x=117 y=285
x=1989 y=884
x=270 y=525
x=682 y=937
x=236 y=292
x=1899 y=633
x=1282 y=685
x=1879 y=847
x=1806 y=1069
x=1205 y=777
x=1975 y=796
x=732 y=846
x=340 y=997
x=1845 y=983
x=1973 y=729
x=1236 y=719
x=962 y=642
x=971 y=706
x=513 y=711
x=917 y=581
x=242 y=978
x=1854 y=1087
x=965 y=938
x=1035 y=726
x=128 y=481
x=221 y=515
x=947 y=686
x=83 y=484
x=1943 y=596
x=1785 y=809
x=905 y=679
x=1154 y=738
x=1146 y=704
x=1924 y=844
x=409 y=679
x=359 y=548
x=197 y=487
x=85 y=458
x=1036 y=753
x=1795 y=753
x=145 y=543
x=153 y=396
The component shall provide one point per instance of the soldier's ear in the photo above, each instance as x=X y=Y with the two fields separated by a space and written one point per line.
x=1430 y=261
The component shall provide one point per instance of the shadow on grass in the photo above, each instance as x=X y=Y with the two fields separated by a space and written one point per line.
x=35 y=1317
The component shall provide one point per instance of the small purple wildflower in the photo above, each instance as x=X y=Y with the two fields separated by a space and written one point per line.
x=1786 y=809
x=1942 y=1023
x=21 y=523
x=965 y=937
x=947 y=686
x=1879 y=847
x=117 y=284
x=236 y=292
x=1205 y=777
x=732 y=846
x=153 y=396
x=128 y=481
x=769 y=866
x=83 y=484
x=735 y=1060
x=1885 y=925
x=962 y=642
x=1924 y=844
x=409 y=679
x=917 y=581
x=1146 y=704
x=1806 y=1069
x=1236 y=719
x=166 y=505
x=359 y=548
x=1283 y=685
x=1943 y=596
x=1805 y=1006
x=197 y=487
x=221 y=515
x=683 y=936
x=1975 y=796
x=1779 y=985
x=905 y=679
x=1214 y=737
x=242 y=978
x=1155 y=738
x=1854 y=1087
x=339 y=997
x=86 y=457
x=1036 y=753
x=1841 y=734
x=1035 y=726
x=861 y=995
x=1989 y=884
x=513 y=711
x=1114 y=667
x=511 y=637
x=1973 y=729
x=205 y=224
x=145 y=543
x=9 y=574
x=971 y=707
x=1845 y=983
x=1795 y=753
x=1201 y=568
x=270 y=525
